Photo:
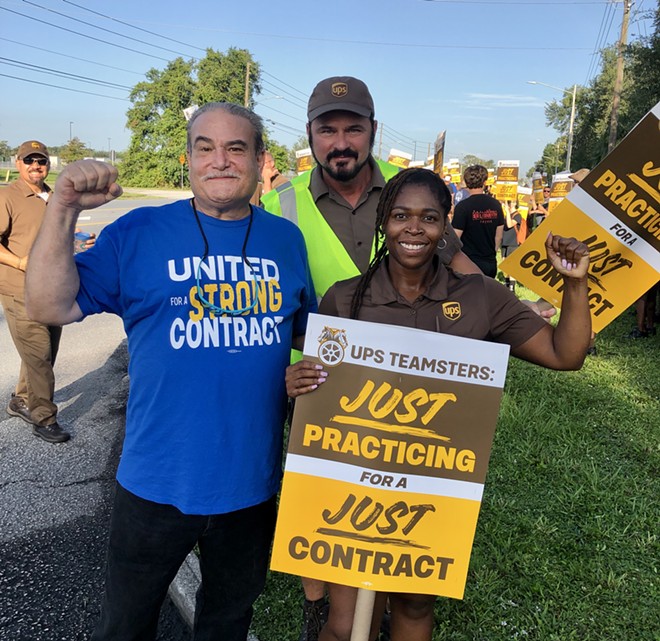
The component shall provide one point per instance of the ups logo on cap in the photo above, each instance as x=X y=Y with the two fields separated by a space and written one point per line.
x=339 y=89
x=35 y=145
x=451 y=310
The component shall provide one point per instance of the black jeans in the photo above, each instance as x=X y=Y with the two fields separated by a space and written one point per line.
x=148 y=543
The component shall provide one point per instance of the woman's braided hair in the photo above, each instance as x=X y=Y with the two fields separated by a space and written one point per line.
x=414 y=176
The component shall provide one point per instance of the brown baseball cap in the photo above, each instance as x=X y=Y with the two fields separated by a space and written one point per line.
x=30 y=147
x=340 y=93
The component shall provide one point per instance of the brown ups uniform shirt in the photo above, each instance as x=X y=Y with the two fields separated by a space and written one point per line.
x=355 y=227
x=21 y=213
x=487 y=310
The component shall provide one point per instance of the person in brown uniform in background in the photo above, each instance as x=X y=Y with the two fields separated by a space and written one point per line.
x=22 y=208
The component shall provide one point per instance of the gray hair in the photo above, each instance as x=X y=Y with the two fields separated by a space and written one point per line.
x=234 y=110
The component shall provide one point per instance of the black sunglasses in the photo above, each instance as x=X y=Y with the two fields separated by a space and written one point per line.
x=38 y=159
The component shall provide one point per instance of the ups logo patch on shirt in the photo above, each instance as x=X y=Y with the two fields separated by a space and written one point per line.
x=451 y=310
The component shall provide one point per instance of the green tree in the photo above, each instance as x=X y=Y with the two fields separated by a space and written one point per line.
x=471 y=159
x=641 y=91
x=553 y=159
x=222 y=77
x=5 y=150
x=280 y=155
x=156 y=118
x=74 y=150
x=592 y=113
x=644 y=66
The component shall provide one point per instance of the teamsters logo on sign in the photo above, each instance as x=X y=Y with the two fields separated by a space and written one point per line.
x=332 y=346
x=339 y=89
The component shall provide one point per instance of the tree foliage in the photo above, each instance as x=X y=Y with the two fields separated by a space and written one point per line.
x=74 y=150
x=471 y=159
x=280 y=155
x=640 y=92
x=156 y=117
x=553 y=159
x=644 y=65
x=6 y=151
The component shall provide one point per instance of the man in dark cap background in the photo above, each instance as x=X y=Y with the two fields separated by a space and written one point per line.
x=22 y=208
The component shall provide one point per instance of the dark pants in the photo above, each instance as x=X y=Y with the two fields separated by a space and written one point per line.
x=148 y=543
x=488 y=267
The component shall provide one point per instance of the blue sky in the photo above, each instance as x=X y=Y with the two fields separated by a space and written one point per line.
x=430 y=64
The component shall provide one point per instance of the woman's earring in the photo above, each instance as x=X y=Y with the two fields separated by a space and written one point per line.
x=442 y=240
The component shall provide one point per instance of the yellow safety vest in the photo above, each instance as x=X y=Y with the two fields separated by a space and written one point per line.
x=329 y=261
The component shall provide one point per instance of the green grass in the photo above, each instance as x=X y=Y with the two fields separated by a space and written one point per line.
x=567 y=542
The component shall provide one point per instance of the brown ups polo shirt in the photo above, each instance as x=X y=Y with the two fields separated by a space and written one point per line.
x=471 y=306
x=21 y=213
x=355 y=226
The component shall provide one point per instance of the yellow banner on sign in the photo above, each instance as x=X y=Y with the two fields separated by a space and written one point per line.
x=389 y=457
x=559 y=189
x=399 y=158
x=506 y=180
x=304 y=160
x=348 y=546
x=615 y=210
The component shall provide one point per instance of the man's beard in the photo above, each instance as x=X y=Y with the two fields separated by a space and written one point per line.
x=342 y=174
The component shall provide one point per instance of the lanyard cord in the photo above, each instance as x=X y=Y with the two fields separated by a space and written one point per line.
x=200 y=293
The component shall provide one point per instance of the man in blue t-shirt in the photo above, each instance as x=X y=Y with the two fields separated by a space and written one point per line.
x=212 y=293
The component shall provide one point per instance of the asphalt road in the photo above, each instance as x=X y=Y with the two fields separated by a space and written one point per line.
x=55 y=499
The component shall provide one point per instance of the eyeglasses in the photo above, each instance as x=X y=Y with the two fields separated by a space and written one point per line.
x=38 y=159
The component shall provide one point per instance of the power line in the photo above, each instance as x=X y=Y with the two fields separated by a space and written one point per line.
x=600 y=44
x=63 y=74
x=299 y=103
x=302 y=93
x=396 y=132
x=518 y=3
x=64 y=55
x=45 y=84
x=284 y=128
x=114 y=33
x=132 y=26
x=135 y=50
x=408 y=45
x=282 y=113
x=76 y=33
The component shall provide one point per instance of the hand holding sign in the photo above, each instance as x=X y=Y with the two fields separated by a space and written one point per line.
x=568 y=256
x=304 y=377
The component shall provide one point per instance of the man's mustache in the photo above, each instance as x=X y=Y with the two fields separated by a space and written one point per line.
x=342 y=153
x=220 y=174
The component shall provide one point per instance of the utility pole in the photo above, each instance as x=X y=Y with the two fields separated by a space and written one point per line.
x=618 y=80
x=571 y=125
x=246 y=99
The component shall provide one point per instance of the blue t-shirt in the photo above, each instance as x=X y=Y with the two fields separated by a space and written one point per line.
x=207 y=396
